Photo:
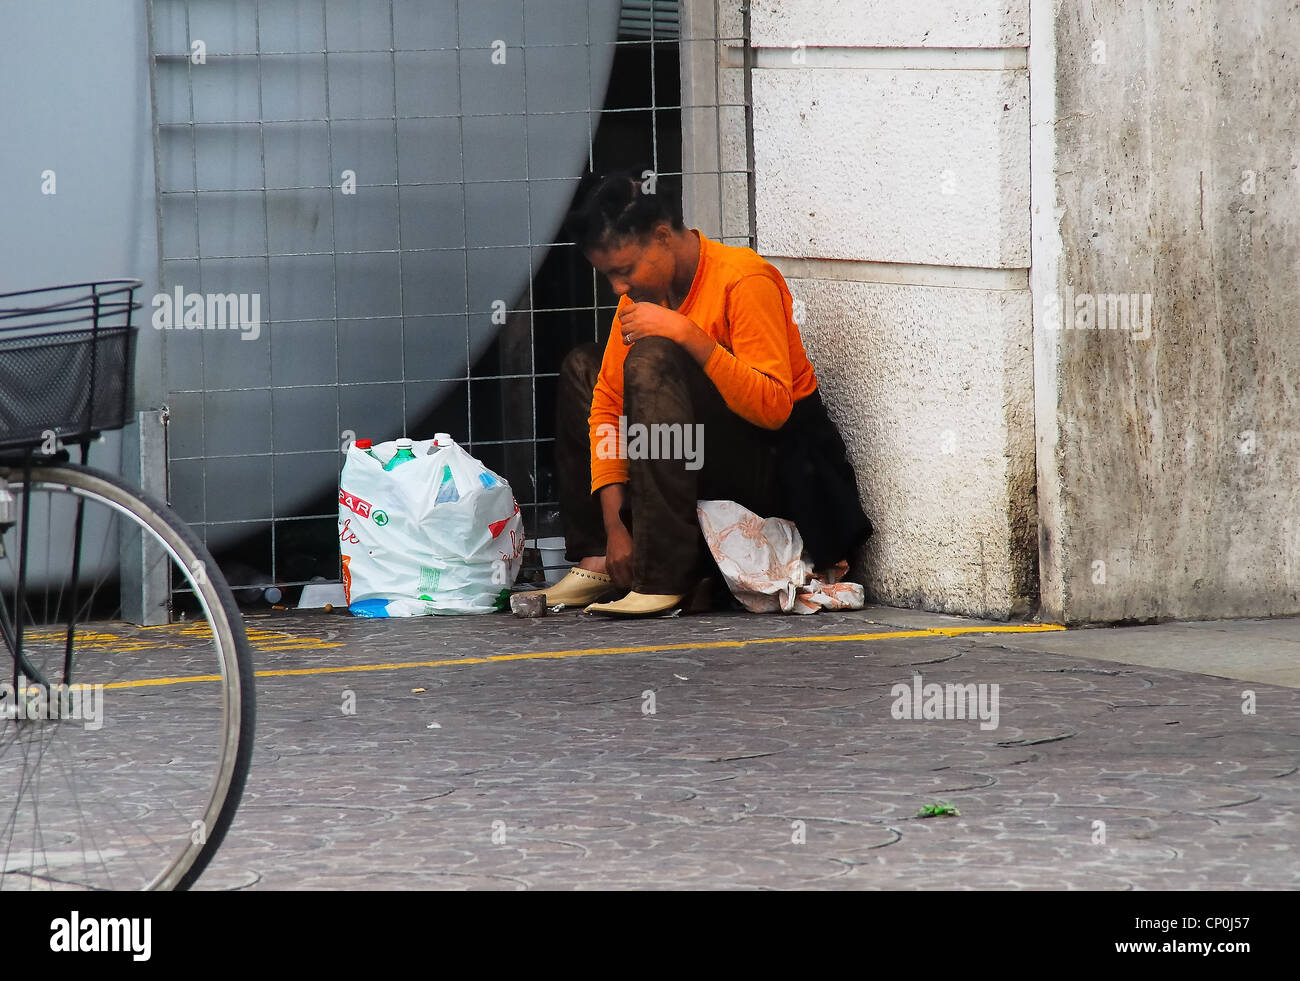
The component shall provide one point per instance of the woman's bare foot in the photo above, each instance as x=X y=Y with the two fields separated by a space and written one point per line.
x=593 y=563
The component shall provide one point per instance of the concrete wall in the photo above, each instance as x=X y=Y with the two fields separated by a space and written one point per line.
x=891 y=143
x=75 y=78
x=715 y=100
x=1165 y=163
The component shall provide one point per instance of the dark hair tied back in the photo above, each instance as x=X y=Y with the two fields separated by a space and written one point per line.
x=617 y=206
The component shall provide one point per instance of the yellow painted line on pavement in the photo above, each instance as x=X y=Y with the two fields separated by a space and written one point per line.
x=597 y=651
x=258 y=638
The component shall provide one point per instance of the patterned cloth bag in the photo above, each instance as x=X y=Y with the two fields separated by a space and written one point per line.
x=765 y=565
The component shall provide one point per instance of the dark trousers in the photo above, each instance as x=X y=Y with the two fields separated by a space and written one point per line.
x=662 y=385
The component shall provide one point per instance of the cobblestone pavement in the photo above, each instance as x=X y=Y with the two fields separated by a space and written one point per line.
x=773 y=764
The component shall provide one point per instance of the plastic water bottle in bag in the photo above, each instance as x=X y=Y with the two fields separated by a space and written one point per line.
x=447 y=492
x=403 y=454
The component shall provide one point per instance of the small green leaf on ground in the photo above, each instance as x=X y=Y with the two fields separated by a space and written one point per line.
x=938 y=810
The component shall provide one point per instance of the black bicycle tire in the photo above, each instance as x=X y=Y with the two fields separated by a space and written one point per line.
x=159 y=518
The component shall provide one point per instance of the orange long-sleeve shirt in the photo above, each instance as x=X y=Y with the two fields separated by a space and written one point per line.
x=759 y=366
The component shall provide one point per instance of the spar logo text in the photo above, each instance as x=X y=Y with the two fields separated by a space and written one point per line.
x=358 y=505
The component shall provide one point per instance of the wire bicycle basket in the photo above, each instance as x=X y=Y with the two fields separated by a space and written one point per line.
x=66 y=359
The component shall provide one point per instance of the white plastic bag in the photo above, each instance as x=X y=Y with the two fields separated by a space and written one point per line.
x=765 y=566
x=435 y=535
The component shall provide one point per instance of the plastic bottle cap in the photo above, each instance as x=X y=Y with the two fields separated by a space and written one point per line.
x=442 y=439
x=404 y=444
x=363 y=444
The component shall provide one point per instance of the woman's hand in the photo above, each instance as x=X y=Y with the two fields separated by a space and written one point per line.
x=646 y=319
x=642 y=320
x=618 y=540
x=618 y=555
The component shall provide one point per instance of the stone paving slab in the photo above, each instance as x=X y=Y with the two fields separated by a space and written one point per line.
x=1266 y=651
x=763 y=765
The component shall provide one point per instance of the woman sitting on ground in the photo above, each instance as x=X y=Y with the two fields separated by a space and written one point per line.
x=705 y=345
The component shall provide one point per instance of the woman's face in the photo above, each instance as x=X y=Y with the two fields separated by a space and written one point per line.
x=641 y=269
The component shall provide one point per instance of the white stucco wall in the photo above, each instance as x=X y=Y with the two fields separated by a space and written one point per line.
x=893 y=23
x=930 y=395
x=912 y=166
x=892 y=188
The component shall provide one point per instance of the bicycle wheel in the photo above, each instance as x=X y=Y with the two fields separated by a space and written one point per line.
x=121 y=765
